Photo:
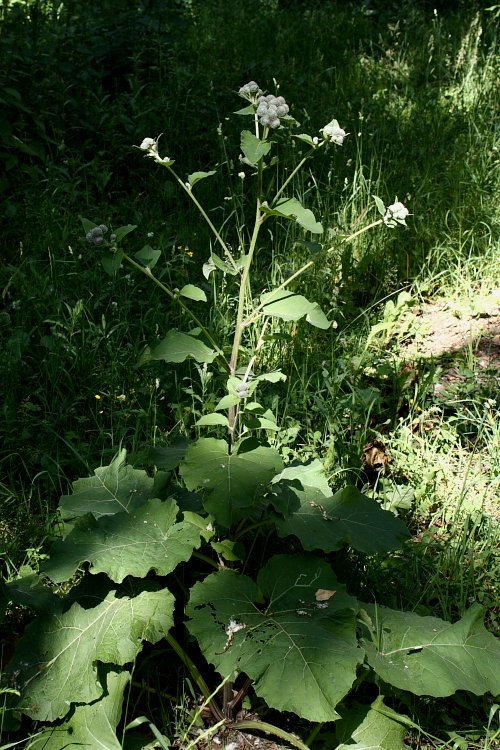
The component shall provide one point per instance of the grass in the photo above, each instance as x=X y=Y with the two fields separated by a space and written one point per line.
x=417 y=92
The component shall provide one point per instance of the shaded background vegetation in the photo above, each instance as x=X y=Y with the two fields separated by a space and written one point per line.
x=81 y=83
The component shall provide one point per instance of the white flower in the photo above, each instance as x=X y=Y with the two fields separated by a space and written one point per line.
x=334 y=133
x=147 y=144
x=396 y=214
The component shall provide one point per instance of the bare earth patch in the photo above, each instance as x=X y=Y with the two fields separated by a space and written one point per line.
x=445 y=329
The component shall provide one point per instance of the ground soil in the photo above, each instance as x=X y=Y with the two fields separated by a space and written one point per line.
x=445 y=329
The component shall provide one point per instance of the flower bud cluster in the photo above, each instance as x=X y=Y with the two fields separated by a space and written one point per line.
x=334 y=133
x=242 y=390
x=269 y=110
x=395 y=214
x=250 y=90
x=96 y=235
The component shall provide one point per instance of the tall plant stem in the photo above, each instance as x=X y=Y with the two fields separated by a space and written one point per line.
x=147 y=272
x=238 y=330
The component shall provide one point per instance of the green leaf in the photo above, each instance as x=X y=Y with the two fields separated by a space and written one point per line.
x=371 y=728
x=91 y=726
x=208 y=420
x=112 y=261
x=87 y=225
x=229 y=550
x=290 y=306
x=253 y=148
x=193 y=292
x=148 y=256
x=429 y=656
x=231 y=482
x=125 y=544
x=122 y=232
x=177 y=347
x=168 y=457
x=227 y=401
x=250 y=110
x=30 y=591
x=113 y=489
x=294 y=628
x=56 y=660
x=197 y=176
x=271 y=377
x=327 y=523
x=380 y=205
x=292 y=208
x=306 y=138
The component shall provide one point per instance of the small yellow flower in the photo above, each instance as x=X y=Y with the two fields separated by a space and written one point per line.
x=97 y=397
x=190 y=253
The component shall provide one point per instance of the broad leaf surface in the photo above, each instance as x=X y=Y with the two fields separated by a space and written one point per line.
x=193 y=292
x=148 y=256
x=197 y=176
x=111 y=262
x=371 y=728
x=253 y=148
x=177 y=347
x=292 y=208
x=231 y=481
x=301 y=653
x=113 y=489
x=429 y=656
x=125 y=544
x=91 y=726
x=169 y=456
x=290 y=306
x=55 y=662
x=208 y=420
x=327 y=523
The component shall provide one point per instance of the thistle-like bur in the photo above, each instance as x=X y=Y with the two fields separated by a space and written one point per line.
x=96 y=235
x=270 y=109
x=250 y=90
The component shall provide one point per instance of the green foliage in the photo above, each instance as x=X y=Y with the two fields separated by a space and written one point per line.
x=292 y=624
x=131 y=541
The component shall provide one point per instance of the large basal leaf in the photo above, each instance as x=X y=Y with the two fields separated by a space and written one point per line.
x=55 y=663
x=90 y=726
x=326 y=523
x=113 y=489
x=231 y=481
x=428 y=656
x=293 y=633
x=125 y=544
x=290 y=306
x=372 y=727
x=177 y=347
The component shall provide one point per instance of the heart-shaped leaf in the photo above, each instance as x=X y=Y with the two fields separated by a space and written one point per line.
x=113 y=489
x=56 y=660
x=125 y=544
x=290 y=306
x=91 y=726
x=230 y=481
x=177 y=347
x=429 y=656
x=327 y=523
x=301 y=653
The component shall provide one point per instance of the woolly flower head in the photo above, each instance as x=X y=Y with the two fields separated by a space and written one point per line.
x=396 y=214
x=270 y=109
x=250 y=90
x=96 y=235
x=334 y=133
